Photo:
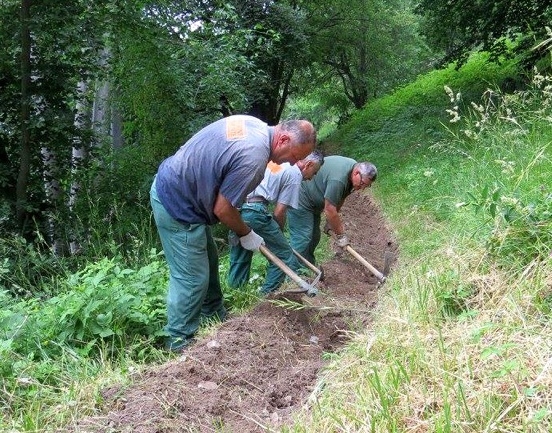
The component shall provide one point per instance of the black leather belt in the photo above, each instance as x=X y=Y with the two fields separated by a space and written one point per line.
x=256 y=199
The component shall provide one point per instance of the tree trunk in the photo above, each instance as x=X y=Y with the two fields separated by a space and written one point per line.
x=51 y=188
x=25 y=150
x=78 y=154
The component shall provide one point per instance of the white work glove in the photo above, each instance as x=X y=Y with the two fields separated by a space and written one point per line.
x=342 y=240
x=251 y=241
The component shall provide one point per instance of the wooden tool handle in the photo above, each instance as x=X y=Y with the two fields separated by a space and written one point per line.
x=362 y=260
x=307 y=263
x=287 y=270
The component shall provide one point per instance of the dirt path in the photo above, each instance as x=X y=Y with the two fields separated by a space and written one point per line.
x=257 y=369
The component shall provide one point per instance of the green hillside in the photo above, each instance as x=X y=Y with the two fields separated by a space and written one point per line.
x=462 y=334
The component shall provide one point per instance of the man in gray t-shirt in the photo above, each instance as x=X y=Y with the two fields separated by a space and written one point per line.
x=279 y=189
x=203 y=183
x=326 y=192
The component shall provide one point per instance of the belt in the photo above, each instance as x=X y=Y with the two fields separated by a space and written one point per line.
x=256 y=199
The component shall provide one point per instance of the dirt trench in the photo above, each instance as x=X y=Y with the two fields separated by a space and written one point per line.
x=258 y=369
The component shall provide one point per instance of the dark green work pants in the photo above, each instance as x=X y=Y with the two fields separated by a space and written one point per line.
x=304 y=232
x=194 y=287
x=259 y=218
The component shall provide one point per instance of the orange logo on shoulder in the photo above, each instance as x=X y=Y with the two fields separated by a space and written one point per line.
x=235 y=129
x=273 y=167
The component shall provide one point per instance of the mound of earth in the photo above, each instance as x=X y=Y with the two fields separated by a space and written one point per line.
x=257 y=369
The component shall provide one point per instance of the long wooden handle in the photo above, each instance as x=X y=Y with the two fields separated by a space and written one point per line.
x=287 y=270
x=307 y=263
x=362 y=260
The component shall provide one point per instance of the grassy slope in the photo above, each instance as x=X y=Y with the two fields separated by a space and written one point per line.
x=460 y=341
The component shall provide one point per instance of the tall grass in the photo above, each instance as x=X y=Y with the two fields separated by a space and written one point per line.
x=461 y=337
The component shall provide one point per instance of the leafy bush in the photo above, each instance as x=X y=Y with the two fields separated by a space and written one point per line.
x=103 y=304
x=113 y=213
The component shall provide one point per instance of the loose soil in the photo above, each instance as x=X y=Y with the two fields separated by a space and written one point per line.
x=257 y=369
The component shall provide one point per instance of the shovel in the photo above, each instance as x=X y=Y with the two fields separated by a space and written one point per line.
x=309 y=289
x=381 y=276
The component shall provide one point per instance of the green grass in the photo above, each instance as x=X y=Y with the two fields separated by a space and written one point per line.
x=461 y=338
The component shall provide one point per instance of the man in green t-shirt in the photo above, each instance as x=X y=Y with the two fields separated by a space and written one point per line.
x=326 y=192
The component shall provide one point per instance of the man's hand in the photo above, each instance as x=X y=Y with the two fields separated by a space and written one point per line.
x=342 y=240
x=327 y=228
x=251 y=241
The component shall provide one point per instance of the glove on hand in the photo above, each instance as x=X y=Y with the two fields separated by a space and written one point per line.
x=342 y=240
x=251 y=241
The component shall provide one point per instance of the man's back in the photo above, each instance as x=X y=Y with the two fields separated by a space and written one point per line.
x=280 y=184
x=332 y=182
x=227 y=156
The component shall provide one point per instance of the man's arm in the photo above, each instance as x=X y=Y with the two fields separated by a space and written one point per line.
x=334 y=222
x=230 y=216
x=332 y=218
x=280 y=214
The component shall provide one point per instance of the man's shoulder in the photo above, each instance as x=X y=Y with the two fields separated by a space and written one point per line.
x=293 y=173
x=250 y=120
x=337 y=165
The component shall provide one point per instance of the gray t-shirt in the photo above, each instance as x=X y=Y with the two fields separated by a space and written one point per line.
x=228 y=157
x=280 y=184
x=332 y=182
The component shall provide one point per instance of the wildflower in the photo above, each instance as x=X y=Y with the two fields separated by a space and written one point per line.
x=450 y=93
x=479 y=107
x=512 y=201
x=454 y=114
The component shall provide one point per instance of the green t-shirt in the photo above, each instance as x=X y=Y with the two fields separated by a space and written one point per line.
x=332 y=182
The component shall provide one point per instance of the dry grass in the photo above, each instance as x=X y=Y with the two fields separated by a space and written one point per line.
x=487 y=369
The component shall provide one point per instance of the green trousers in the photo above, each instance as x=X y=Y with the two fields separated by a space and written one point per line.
x=194 y=288
x=304 y=232
x=259 y=218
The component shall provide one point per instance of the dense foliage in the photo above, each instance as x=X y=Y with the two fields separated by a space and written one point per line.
x=96 y=94
x=458 y=27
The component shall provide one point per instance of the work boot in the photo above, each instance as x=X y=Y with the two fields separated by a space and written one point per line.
x=178 y=344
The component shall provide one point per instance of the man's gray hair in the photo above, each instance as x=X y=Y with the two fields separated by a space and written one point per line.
x=367 y=170
x=302 y=130
x=316 y=156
